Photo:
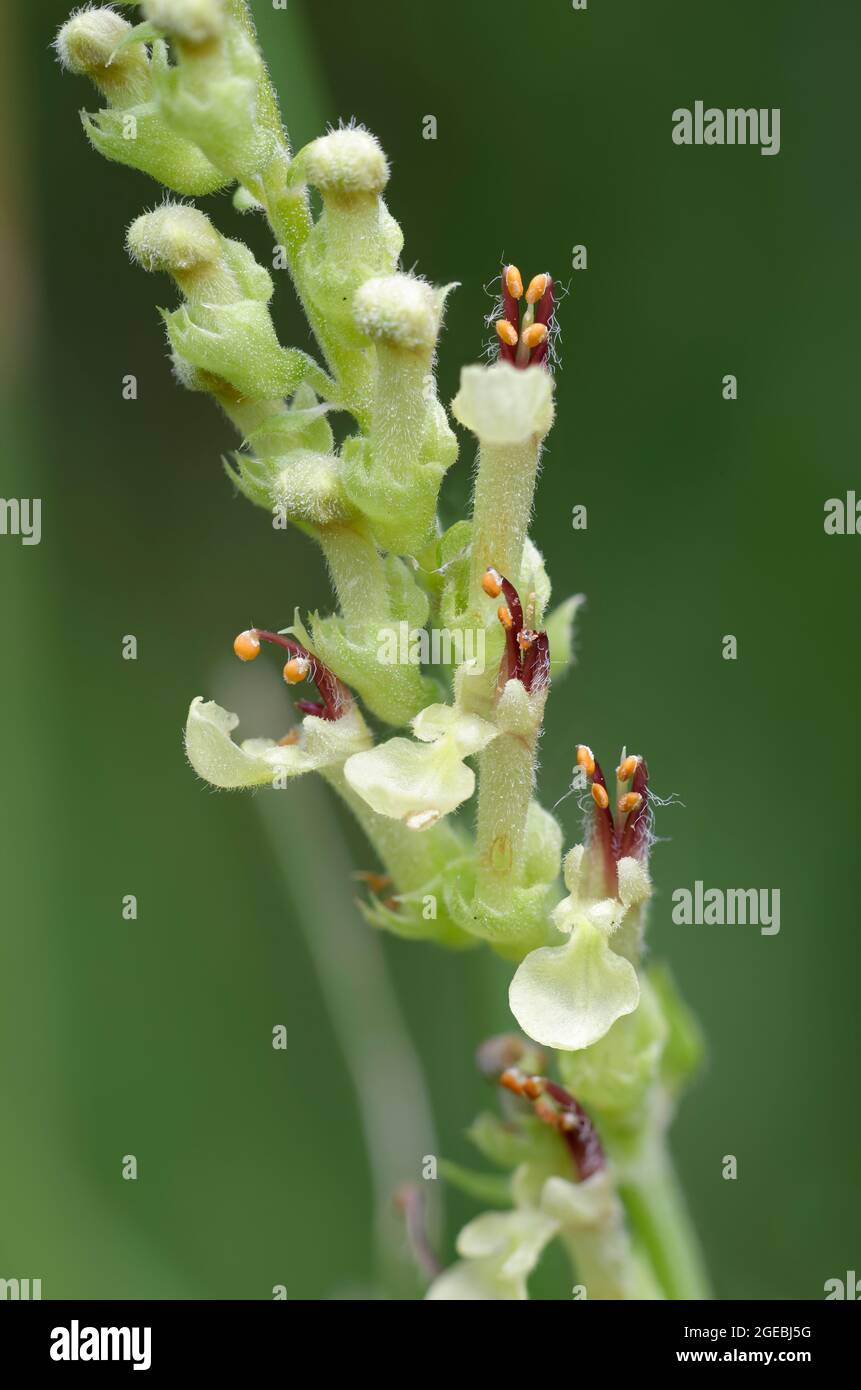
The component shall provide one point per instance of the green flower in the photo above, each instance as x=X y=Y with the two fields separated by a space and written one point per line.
x=568 y=996
x=259 y=762
x=503 y=405
x=420 y=782
x=498 y=1251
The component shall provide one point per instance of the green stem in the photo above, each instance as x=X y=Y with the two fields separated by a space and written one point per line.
x=399 y=411
x=659 y=1216
x=609 y=1269
x=506 y=772
x=502 y=505
x=358 y=576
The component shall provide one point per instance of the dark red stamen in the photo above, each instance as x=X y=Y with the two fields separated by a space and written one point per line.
x=512 y=598
x=635 y=836
x=543 y=314
x=604 y=830
x=518 y=316
x=315 y=707
x=511 y=312
x=510 y=668
x=536 y=663
x=581 y=1138
x=527 y=654
x=335 y=697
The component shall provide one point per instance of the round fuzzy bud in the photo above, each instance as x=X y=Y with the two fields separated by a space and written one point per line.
x=85 y=46
x=175 y=238
x=399 y=310
x=196 y=21
x=345 y=162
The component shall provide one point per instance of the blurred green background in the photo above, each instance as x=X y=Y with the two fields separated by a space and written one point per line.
x=705 y=518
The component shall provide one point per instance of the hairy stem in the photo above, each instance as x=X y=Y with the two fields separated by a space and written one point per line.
x=502 y=505
x=506 y=772
x=357 y=572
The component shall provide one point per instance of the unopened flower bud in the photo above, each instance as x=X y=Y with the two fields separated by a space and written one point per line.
x=175 y=238
x=196 y=21
x=343 y=163
x=100 y=44
x=224 y=329
x=211 y=94
x=400 y=311
x=86 y=46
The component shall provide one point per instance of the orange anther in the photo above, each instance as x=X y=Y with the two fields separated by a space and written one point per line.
x=504 y=616
x=377 y=883
x=247 y=645
x=507 y=332
x=548 y=1113
x=599 y=796
x=536 y=288
x=512 y=1080
x=533 y=1086
x=525 y=640
x=289 y=739
x=296 y=669
x=630 y=802
x=513 y=281
x=585 y=758
x=492 y=582
x=534 y=334
x=627 y=768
